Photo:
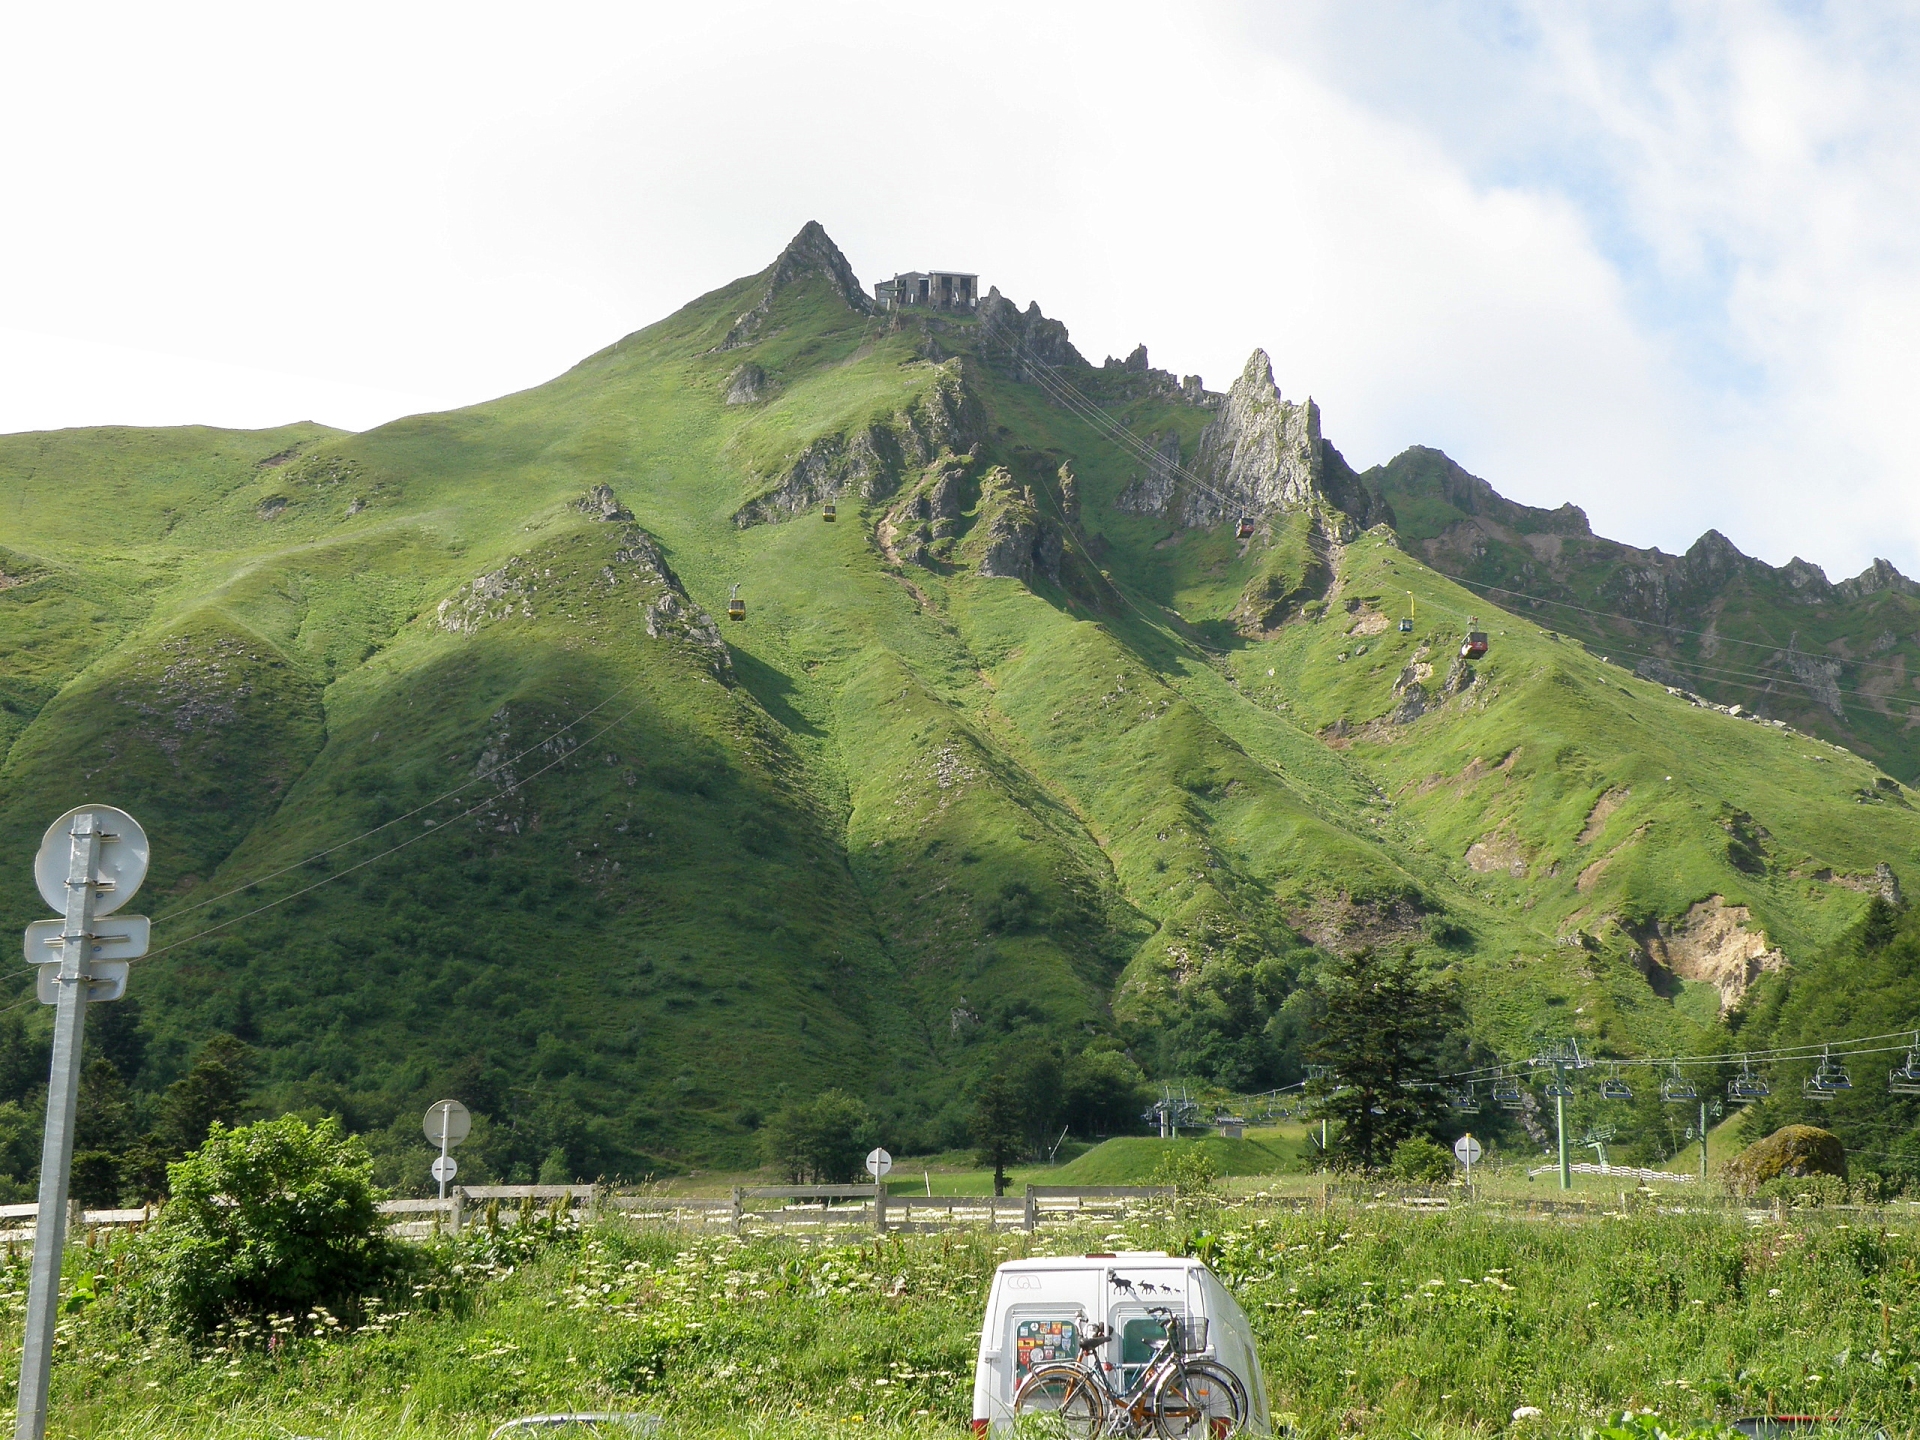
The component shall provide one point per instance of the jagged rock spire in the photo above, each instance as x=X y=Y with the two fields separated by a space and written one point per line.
x=811 y=252
x=1261 y=452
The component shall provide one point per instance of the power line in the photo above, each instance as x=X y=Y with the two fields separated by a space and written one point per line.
x=1785 y=1054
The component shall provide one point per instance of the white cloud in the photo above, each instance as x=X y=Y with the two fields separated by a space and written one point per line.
x=1663 y=268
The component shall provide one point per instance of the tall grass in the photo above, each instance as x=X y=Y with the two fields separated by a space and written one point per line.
x=1370 y=1322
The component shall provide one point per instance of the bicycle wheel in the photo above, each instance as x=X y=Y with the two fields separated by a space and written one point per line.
x=1196 y=1404
x=1214 y=1370
x=1059 y=1401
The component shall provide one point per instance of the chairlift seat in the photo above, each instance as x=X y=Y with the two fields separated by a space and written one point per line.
x=1406 y=625
x=826 y=511
x=1475 y=646
x=1748 y=1087
x=1904 y=1081
x=1679 y=1092
x=1615 y=1090
x=1245 y=529
x=736 y=609
x=1558 y=1090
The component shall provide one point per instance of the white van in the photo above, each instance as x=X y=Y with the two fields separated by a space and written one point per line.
x=1036 y=1308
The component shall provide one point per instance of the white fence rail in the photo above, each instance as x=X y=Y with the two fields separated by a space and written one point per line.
x=1625 y=1172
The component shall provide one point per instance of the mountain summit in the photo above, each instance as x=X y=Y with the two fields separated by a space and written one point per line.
x=1095 y=715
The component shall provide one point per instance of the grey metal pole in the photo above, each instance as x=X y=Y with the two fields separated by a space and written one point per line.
x=446 y=1112
x=56 y=1154
x=1560 y=1124
x=1703 y=1139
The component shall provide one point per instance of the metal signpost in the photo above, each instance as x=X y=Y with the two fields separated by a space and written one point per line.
x=1467 y=1150
x=91 y=862
x=447 y=1124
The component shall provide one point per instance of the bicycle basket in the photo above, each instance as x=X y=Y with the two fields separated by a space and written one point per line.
x=1188 y=1334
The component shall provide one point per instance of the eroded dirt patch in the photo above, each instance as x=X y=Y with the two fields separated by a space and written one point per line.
x=1714 y=944
x=1602 y=811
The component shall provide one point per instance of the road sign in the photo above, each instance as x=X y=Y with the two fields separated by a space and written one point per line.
x=879 y=1163
x=444 y=1168
x=90 y=863
x=125 y=937
x=447 y=1123
x=1467 y=1149
x=108 y=981
x=118 y=869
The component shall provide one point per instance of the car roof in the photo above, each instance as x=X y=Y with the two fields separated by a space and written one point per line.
x=1131 y=1259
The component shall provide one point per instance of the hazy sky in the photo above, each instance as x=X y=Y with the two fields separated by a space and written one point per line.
x=1661 y=260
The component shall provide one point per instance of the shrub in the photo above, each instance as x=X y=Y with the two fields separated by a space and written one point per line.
x=1189 y=1170
x=1804 y=1191
x=1419 y=1161
x=267 y=1219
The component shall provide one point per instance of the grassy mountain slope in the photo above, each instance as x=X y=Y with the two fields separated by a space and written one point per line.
x=988 y=766
x=1837 y=660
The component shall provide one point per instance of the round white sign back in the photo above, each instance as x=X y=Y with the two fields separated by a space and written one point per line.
x=1467 y=1149
x=879 y=1163
x=448 y=1119
x=444 y=1168
x=116 y=874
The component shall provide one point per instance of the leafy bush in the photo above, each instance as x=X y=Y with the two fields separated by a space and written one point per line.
x=274 y=1218
x=1190 y=1170
x=1806 y=1192
x=1419 y=1161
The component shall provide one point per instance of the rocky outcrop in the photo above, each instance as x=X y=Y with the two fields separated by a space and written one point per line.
x=1261 y=452
x=601 y=504
x=1153 y=492
x=1010 y=538
x=871 y=462
x=1713 y=945
x=811 y=252
x=1795 y=1151
x=921 y=527
x=1021 y=342
x=748 y=385
x=1877 y=577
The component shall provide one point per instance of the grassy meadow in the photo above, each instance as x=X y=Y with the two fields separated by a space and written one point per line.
x=1370 y=1321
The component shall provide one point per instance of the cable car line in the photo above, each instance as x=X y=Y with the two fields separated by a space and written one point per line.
x=1671 y=629
x=478 y=776
x=439 y=829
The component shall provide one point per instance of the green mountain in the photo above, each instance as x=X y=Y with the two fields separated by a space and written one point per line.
x=1829 y=658
x=1027 y=758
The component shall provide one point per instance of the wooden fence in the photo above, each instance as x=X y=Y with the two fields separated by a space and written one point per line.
x=795 y=1208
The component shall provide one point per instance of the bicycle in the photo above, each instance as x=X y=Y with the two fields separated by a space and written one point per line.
x=1173 y=1397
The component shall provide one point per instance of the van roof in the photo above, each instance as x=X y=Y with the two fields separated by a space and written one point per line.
x=1095 y=1262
